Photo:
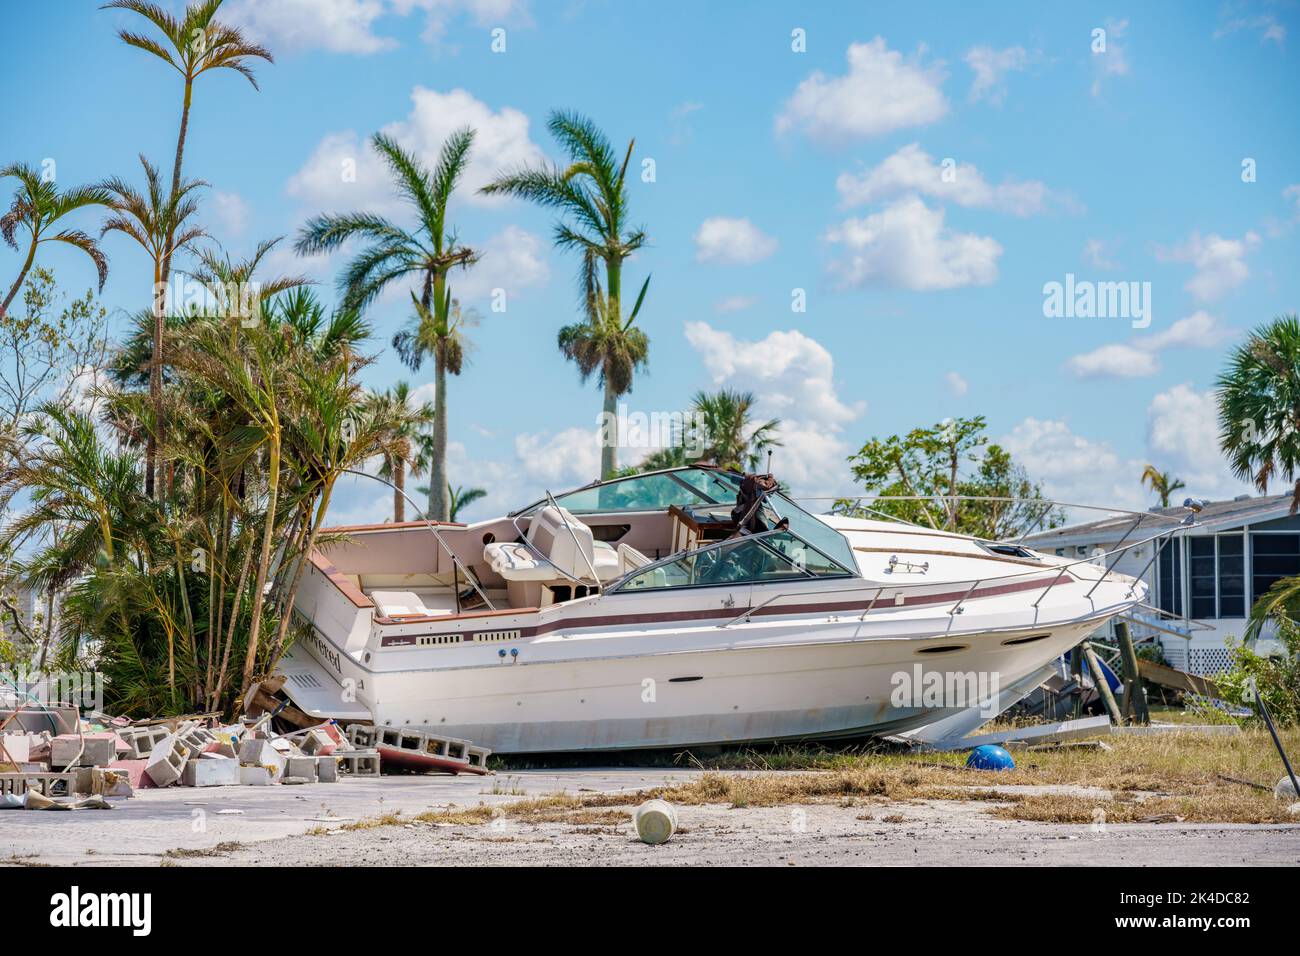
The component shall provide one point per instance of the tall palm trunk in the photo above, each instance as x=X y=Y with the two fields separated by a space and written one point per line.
x=154 y=439
x=397 y=467
x=439 y=492
x=264 y=561
x=613 y=315
x=18 y=283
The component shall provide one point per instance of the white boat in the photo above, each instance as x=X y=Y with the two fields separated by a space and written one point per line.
x=640 y=613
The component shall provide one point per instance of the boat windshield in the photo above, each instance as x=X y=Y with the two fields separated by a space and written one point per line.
x=810 y=528
x=657 y=491
x=753 y=559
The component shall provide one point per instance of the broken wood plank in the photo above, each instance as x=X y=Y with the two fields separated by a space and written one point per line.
x=1178 y=680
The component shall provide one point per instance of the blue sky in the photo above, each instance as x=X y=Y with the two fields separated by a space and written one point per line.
x=774 y=169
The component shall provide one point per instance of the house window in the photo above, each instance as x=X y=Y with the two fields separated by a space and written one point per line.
x=1170 y=572
x=1232 y=576
x=1200 y=576
x=1273 y=557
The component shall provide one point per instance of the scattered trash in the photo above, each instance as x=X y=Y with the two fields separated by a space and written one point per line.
x=990 y=757
x=656 y=822
x=53 y=759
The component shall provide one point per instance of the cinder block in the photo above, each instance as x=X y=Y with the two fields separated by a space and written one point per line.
x=49 y=784
x=211 y=772
x=300 y=767
x=167 y=761
x=17 y=747
x=317 y=743
x=327 y=769
x=363 y=736
x=255 y=776
x=133 y=770
x=297 y=780
x=199 y=740
x=142 y=740
x=259 y=753
x=478 y=756
x=286 y=746
x=69 y=750
x=359 y=763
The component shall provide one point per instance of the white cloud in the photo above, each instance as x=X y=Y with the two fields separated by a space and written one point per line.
x=1220 y=263
x=1138 y=358
x=344 y=173
x=793 y=378
x=339 y=26
x=1097 y=253
x=1265 y=24
x=735 y=303
x=907 y=245
x=911 y=170
x=1292 y=195
x=1183 y=436
x=1073 y=468
x=562 y=460
x=231 y=212
x=725 y=241
x=1113 y=361
x=1113 y=61
x=956 y=384
x=513 y=259
x=990 y=67
x=881 y=92
x=347 y=26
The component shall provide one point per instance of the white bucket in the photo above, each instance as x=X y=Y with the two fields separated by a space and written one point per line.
x=656 y=821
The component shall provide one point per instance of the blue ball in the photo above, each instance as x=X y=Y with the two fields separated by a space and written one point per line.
x=990 y=757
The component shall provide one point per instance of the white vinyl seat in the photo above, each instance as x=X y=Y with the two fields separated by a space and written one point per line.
x=399 y=604
x=572 y=549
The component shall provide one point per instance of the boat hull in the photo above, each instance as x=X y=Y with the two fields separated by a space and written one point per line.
x=732 y=695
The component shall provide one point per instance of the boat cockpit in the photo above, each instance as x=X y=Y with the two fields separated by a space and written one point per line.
x=694 y=526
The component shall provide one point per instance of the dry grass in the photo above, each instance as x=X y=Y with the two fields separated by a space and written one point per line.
x=1168 y=778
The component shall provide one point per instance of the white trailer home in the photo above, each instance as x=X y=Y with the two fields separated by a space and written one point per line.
x=1211 y=572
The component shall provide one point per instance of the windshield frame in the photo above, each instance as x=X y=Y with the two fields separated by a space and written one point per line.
x=704 y=499
x=615 y=586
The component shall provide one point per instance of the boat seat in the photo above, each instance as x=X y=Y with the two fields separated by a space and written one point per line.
x=399 y=604
x=573 y=550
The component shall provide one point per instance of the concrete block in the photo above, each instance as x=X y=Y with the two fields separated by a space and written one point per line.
x=68 y=750
x=478 y=756
x=317 y=743
x=49 y=784
x=103 y=781
x=134 y=773
x=214 y=772
x=291 y=781
x=167 y=761
x=255 y=777
x=199 y=740
x=286 y=747
x=327 y=769
x=359 y=763
x=300 y=767
x=142 y=740
x=254 y=752
x=18 y=747
x=363 y=736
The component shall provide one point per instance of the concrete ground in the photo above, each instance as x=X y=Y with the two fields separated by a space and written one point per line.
x=269 y=826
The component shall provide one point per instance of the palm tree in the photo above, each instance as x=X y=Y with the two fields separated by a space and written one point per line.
x=428 y=253
x=1259 y=406
x=37 y=206
x=160 y=224
x=229 y=282
x=590 y=195
x=406 y=421
x=462 y=497
x=1162 y=483
x=733 y=439
x=195 y=44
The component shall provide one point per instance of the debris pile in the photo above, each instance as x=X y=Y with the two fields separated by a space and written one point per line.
x=74 y=762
